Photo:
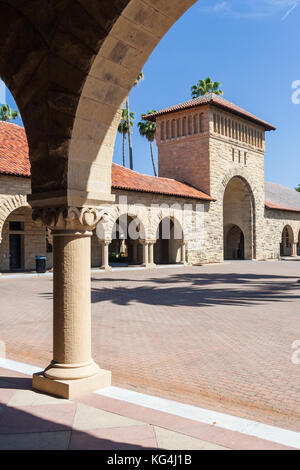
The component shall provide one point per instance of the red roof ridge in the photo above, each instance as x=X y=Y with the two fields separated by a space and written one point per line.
x=211 y=98
x=278 y=207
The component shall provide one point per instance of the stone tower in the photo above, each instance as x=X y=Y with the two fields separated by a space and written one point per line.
x=219 y=148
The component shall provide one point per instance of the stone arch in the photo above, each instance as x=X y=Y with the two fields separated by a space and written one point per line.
x=239 y=211
x=72 y=66
x=157 y=216
x=10 y=205
x=287 y=241
x=134 y=211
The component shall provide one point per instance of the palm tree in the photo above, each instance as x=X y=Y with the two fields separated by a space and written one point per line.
x=7 y=114
x=148 y=129
x=138 y=79
x=124 y=128
x=206 y=86
x=298 y=188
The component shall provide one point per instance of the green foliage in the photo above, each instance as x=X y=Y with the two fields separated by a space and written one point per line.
x=7 y=114
x=147 y=128
x=298 y=188
x=126 y=124
x=206 y=86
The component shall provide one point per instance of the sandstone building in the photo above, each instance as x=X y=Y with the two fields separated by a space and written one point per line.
x=210 y=189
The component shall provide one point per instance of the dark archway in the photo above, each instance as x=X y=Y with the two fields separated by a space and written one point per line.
x=169 y=241
x=126 y=249
x=239 y=220
x=287 y=241
x=234 y=244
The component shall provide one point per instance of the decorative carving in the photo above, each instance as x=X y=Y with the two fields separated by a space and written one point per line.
x=68 y=218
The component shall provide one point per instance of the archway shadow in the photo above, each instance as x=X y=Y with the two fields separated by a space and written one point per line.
x=198 y=290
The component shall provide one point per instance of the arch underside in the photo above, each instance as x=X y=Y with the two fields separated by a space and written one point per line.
x=239 y=220
x=70 y=65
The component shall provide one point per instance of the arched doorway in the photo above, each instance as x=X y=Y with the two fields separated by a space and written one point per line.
x=287 y=241
x=167 y=249
x=234 y=243
x=126 y=249
x=239 y=220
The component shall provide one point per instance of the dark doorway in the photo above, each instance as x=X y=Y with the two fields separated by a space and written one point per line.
x=15 y=252
x=235 y=244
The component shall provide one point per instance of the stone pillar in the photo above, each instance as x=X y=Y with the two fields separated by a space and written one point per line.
x=294 y=249
x=145 y=254
x=105 y=255
x=152 y=265
x=183 y=253
x=72 y=371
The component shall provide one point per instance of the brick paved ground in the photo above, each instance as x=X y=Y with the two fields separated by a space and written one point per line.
x=217 y=336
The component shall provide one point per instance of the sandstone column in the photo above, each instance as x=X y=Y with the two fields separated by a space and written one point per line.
x=72 y=370
x=183 y=253
x=105 y=255
x=151 y=254
x=294 y=249
x=145 y=253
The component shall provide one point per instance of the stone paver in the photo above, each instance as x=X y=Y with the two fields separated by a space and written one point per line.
x=216 y=336
x=95 y=422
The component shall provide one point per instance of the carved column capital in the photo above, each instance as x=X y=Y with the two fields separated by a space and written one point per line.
x=69 y=218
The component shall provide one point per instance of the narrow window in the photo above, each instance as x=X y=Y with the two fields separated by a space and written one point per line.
x=184 y=126
x=218 y=122
x=215 y=123
x=162 y=131
x=173 y=129
x=222 y=125
x=190 y=125
x=168 y=129
x=179 y=127
x=245 y=158
x=239 y=156
x=201 y=123
x=233 y=155
x=195 y=124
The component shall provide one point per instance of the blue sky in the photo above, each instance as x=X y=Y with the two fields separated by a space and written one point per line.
x=251 y=46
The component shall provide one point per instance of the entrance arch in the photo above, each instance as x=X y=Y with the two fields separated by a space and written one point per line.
x=126 y=246
x=287 y=241
x=239 y=220
x=169 y=240
x=234 y=243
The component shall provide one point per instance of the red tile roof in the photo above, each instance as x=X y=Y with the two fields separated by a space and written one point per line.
x=215 y=100
x=14 y=160
x=129 y=180
x=277 y=207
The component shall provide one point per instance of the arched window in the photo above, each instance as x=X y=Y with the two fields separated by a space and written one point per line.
x=162 y=131
x=201 y=128
x=195 y=124
x=190 y=125
x=184 y=126
x=178 y=127
x=215 y=122
x=168 y=130
x=173 y=128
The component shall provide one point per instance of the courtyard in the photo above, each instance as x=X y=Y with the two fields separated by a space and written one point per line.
x=218 y=336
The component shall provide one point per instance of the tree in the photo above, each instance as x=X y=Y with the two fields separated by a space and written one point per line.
x=148 y=129
x=138 y=79
x=7 y=114
x=125 y=128
x=206 y=86
x=298 y=188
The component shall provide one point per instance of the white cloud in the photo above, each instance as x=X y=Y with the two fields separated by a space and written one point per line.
x=251 y=8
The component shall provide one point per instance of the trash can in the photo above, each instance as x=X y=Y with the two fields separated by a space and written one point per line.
x=40 y=264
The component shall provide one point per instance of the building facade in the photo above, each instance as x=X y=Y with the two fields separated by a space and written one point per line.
x=210 y=197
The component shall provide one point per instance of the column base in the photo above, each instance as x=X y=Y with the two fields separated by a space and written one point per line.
x=71 y=388
x=107 y=269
